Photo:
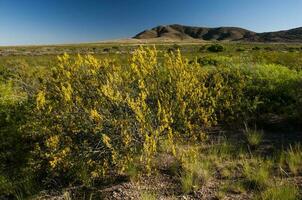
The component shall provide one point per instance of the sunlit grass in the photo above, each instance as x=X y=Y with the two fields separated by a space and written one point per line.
x=292 y=159
x=281 y=192
x=253 y=136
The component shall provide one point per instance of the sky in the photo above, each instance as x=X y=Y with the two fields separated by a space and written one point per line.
x=29 y=22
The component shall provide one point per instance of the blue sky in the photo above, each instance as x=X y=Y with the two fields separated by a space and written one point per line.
x=70 y=21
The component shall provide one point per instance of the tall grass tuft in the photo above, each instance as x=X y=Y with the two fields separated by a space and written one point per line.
x=196 y=170
x=282 y=192
x=257 y=173
x=292 y=158
x=253 y=136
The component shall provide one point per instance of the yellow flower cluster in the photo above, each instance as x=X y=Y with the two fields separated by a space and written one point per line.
x=40 y=99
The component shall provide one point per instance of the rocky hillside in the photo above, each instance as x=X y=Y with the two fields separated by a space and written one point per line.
x=180 y=32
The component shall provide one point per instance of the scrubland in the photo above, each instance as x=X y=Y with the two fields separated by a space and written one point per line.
x=202 y=121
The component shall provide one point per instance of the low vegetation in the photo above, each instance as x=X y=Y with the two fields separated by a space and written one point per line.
x=292 y=159
x=253 y=137
x=215 y=48
x=284 y=191
x=89 y=122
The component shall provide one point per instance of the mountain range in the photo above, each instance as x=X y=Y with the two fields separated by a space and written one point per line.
x=181 y=32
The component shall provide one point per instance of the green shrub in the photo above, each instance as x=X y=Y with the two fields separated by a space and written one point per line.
x=268 y=48
x=256 y=48
x=276 y=88
x=293 y=49
x=116 y=48
x=214 y=61
x=106 y=50
x=13 y=147
x=202 y=48
x=291 y=60
x=240 y=49
x=6 y=187
x=216 y=48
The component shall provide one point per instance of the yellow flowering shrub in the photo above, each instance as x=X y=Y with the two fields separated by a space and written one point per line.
x=103 y=115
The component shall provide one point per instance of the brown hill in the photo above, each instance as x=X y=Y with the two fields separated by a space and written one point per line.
x=292 y=35
x=180 y=32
